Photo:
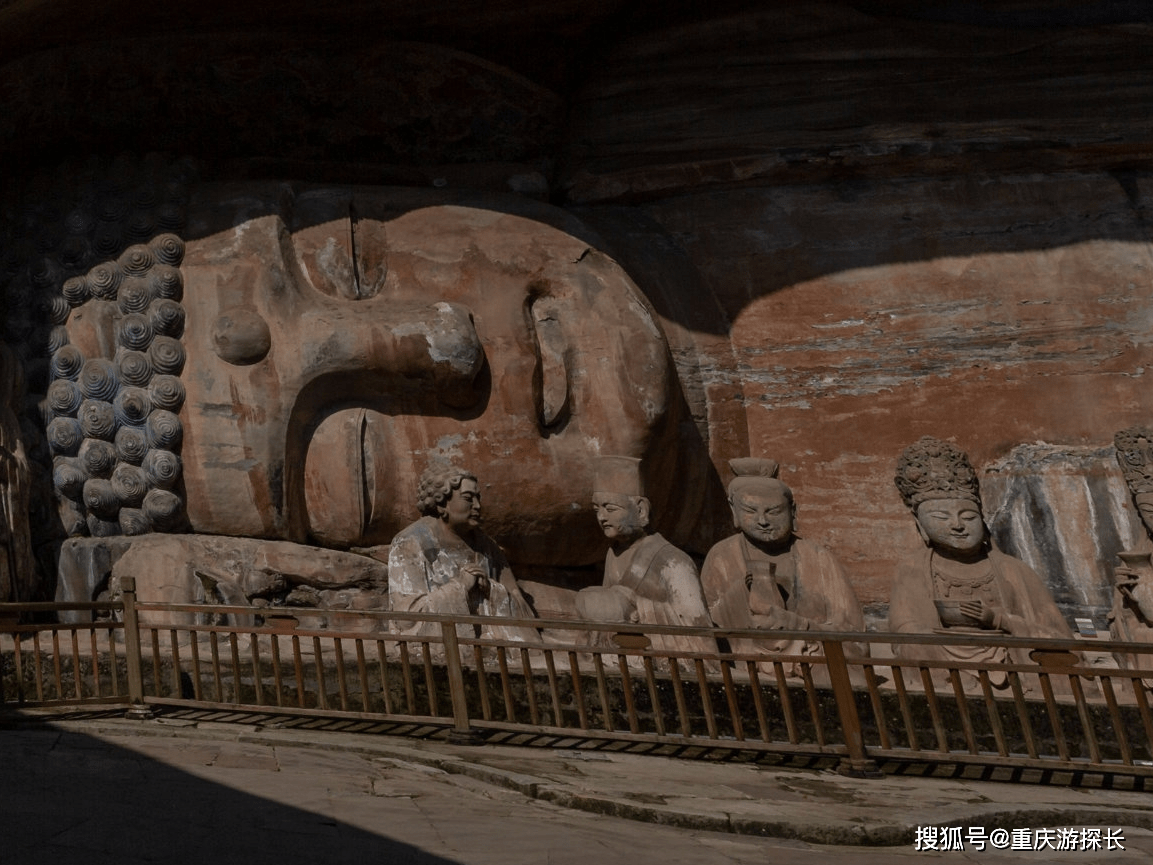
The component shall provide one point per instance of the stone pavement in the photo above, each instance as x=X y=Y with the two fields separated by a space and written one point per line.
x=110 y=790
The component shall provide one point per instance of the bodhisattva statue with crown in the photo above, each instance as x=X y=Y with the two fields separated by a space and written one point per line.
x=647 y=579
x=766 y=576
x=961 y=584
x=1131 y=617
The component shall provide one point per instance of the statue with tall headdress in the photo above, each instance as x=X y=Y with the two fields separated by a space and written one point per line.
x=647 y=579
x=960 y=583
x=1131 y=617
x=767 y=576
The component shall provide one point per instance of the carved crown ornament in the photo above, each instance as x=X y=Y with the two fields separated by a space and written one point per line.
x=934 y=469
x=1135 y=456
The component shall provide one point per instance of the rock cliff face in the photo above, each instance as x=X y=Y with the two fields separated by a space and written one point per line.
x=852 y=224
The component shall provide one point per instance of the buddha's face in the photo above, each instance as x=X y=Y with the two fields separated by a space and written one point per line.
x=952 y=526
x=621 y=517
x=340 y=340
x=764 y=514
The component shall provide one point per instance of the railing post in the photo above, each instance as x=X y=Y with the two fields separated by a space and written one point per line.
x=132 y=652
x=858 y=764
x=462 y=733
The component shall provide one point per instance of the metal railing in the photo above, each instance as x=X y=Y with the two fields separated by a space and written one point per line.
x=595 y=681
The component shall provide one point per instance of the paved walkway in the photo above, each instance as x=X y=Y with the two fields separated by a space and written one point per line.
x=108 y=790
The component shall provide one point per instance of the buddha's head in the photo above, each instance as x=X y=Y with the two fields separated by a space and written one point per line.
x=451 y=495
x=938 y=484
x=762 y=505
x=621 y=507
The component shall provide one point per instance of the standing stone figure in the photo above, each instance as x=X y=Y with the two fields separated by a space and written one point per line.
x=647 y=579
x=960 y=583
x=1131 y=617
x=444 y=563
x=17 y=576
x=766 y=576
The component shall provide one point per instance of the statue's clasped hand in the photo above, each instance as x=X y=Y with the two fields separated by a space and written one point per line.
x=987 y=616
x=474 y=576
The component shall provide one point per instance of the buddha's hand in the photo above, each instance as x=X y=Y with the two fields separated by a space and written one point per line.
x=988 y=616
x=1139 y=593
x=628 y=600
x=473 y=575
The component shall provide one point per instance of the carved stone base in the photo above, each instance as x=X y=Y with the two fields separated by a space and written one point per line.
x=140 y=713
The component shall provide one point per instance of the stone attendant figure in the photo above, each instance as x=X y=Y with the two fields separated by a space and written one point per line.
x=647 y=579
x=959 y=583
x=444 y=563
x=767 y=577
x=1131 y=617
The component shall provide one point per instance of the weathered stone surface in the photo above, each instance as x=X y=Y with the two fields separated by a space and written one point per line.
x=186 y=569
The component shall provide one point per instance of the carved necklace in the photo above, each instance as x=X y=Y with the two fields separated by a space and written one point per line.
x=963 y=587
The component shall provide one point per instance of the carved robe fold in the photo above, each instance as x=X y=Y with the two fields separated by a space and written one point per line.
x=668 y=591
x=422 y=575
x=819 y=596
x=1030 y=610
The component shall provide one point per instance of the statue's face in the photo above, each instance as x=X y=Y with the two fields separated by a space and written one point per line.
x=461 y=512
x=620 y=517
x=952 y=525
x=340 y=340
x=764 y=514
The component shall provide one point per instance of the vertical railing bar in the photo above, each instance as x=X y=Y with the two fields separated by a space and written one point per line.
x=37 y=668
x=154 y=634
x=318 y=663
x=1143 y=708
x=1023 y=714
x=1086 y=721
x=341 y=678
x=1054 y=716
x=1115 y=717
x=175 y=646
x=814 y=704
x=578 y=690
x=298 y=670
x=430 y=677
x=234 y=653
x=194 y=647
x=759 y=702
x=482 y=682
x=77 y=679
x=654 y=697
x=706 y=698
x=934 y=710
x=16 y=676
x=878 y=709
x=994 y=713
x=382 y=662
x=115 y=662
x=18 y=660
x=906 y=711
x=554 y=689
x=132 y=648
x=217 y=680
x=257 y=671
x=529 y=687
x=603 y=691
x=56 y=665
x=455 y=670
x=277 y=677
x=362 y=674
x=406 y=672
x=786 y=703
x=505 y=684
x=963 y=710
x=679 y=694
x=731 y=696
x=627 y=686
x=95 y=662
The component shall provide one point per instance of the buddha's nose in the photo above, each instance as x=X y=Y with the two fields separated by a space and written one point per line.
x=402 y=346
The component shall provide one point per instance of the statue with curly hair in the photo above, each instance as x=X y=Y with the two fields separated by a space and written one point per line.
x=445 y=563
x=960 y=583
